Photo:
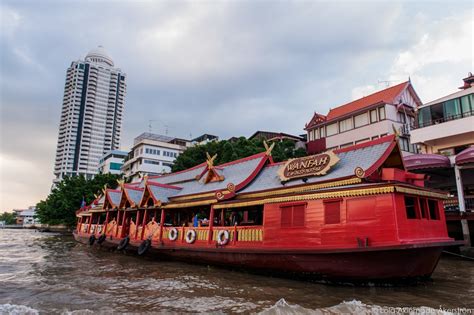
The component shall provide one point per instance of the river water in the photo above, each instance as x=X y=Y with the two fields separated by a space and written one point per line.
x=44 y=273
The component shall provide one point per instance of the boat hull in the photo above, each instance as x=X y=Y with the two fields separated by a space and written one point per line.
x=397 y=263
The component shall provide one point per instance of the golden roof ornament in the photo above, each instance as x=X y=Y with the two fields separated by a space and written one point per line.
x=121 y=183
x=396 y=132
x=268 y=149
x=210 y=160
x=104 y=189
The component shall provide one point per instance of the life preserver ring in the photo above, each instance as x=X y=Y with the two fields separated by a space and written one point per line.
x=190 y=236
x=91 y=240
x=173 y=234
x=101 y=238
x=223 y=237
x=123 y=243
x=144 y=246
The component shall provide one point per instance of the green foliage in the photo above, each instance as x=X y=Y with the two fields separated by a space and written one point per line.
x=8 y=217
x=65 y=199
x=228 y=151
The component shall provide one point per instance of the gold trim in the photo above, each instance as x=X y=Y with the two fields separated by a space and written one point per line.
x=302 y=188
x=190 y=204
x=335 y=194
x=420 y=192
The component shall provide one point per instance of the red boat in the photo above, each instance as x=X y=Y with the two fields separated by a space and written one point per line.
x=353 y=214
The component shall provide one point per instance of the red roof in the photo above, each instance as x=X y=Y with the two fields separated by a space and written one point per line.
x=385 y=96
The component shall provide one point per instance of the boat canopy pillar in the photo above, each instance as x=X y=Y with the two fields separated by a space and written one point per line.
x=462 y=205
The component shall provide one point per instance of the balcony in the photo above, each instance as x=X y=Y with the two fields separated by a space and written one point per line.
x=441 y=120
x=443 y=131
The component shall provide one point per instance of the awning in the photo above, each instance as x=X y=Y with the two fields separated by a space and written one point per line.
x=465 y=156
x=423 y=161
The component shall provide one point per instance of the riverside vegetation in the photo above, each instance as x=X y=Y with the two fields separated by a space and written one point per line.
x=67 y=197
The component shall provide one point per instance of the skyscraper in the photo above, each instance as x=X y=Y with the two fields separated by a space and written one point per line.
x=91 y=116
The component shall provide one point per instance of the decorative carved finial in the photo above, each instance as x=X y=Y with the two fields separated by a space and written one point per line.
x=395 y=131
x=268 y=149
x=145 y=179
x=121 y=182
x=210 y=160
x=96 y=196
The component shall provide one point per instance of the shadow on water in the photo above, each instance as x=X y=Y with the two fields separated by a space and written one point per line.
x=52 y=273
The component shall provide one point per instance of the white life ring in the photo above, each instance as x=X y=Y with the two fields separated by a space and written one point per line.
x=173 y=234
x=223 y=237
x=190 y=236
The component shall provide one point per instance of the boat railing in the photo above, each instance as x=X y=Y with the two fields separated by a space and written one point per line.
x=240 y=233
x=236 y=233
x=152 y=230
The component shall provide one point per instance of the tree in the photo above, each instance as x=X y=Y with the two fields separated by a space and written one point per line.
x=228 y=151
x=8 y=217
x=66 y=198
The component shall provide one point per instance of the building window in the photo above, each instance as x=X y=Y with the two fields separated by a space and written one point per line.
x=151 y=162
x=331 y=129
x=381 y=113
x=115 y=166
x=466 y=106
x=373 y=116
x=452 y=109
x=401 y=118
x=293 y=215
x=345 y=125
x=404 y=144
x=410 y=207
x=322 y=132
x=332 y=212
x=361 y=120
x=362 y=140
x=346 y=145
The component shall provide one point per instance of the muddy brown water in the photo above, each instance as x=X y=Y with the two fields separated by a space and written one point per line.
x=44 y=273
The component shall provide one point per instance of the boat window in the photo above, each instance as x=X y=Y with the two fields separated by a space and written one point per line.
x=332 y=212
x=423 y=208
x=434 y=210
x=293 y=215
x=410 y=207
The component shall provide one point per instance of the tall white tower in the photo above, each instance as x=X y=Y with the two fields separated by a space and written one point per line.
x=91 y=116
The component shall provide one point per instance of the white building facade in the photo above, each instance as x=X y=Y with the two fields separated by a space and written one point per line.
x=112 y=162
x=153 y=154
x=91 y=116
x=365 y=119
x=446 y=125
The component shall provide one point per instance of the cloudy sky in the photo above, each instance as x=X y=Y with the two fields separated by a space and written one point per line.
x=226 y=68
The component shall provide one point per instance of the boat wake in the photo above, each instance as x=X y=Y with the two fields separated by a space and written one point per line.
x=279 y=308
x=352 y=307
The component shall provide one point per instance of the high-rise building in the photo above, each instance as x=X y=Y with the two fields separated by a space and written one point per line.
x=91 y=116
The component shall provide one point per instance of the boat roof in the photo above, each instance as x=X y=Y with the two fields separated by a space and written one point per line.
x=256 y=173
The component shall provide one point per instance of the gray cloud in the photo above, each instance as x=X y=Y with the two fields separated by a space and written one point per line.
x=227 y=68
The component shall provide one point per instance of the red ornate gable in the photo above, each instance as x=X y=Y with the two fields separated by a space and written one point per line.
x=316 y=120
